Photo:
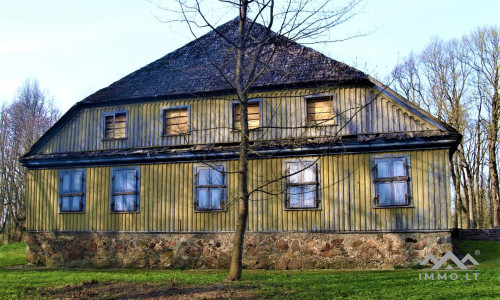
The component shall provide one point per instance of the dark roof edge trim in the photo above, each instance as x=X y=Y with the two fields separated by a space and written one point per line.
x=448 y=142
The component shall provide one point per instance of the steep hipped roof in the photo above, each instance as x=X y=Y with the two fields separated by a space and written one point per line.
x=196 y=68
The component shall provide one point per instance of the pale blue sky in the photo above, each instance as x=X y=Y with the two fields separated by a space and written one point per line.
x=76 y=47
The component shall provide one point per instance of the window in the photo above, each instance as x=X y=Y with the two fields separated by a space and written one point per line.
x=391 y=180
x=320 y=111
x=125 y=185
x=302 y=185
x=210 y=187
x=115 y=125
x=253 y=114
x=72 y=191
x=176 y=120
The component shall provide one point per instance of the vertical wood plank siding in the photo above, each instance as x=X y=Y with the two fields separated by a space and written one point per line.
x=166 y=199
x=357 y=110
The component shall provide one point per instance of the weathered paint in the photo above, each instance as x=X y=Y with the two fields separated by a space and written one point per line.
x=166 y=203
x=357 y=111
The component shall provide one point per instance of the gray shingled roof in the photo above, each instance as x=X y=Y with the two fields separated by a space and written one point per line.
x=190 y=70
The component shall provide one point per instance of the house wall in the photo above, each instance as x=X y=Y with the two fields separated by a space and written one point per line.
x=211 y=120
x=166 y=199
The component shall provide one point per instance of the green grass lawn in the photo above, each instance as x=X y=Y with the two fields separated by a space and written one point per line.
x=30 y=283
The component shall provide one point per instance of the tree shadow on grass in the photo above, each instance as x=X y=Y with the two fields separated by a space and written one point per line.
x=131 y=290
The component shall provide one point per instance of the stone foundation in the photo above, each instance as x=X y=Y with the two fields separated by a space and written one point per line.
x=213 y=250
x=477 y=234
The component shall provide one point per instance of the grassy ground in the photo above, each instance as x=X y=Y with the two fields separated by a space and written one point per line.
x=27 y=282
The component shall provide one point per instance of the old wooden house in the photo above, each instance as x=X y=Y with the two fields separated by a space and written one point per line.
x=143 y=172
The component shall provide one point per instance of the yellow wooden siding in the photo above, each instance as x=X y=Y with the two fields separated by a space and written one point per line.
x=166 y=199
x=211 y=121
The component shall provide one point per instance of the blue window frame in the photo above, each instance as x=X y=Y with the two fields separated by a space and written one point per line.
x=125 y=187
x=302 y=185
x=72 y=190
x=391 y=180
x=254 y=114
x=210 y=187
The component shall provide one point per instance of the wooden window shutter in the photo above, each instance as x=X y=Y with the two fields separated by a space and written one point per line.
x=120 y=125
x=253 y=115
x=176 y=121
x=320 y=111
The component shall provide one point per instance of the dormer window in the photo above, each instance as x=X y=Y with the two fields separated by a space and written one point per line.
x=176 y=120
x=253 y=114
x=115 y=125
x=320 y=111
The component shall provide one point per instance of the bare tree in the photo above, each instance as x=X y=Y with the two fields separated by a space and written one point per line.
x=21 y=123
x=484 y=52
x=457 y=80
x=284 y=22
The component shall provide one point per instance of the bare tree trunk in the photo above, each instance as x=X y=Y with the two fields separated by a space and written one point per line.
x=495 y=193
x=239 y=235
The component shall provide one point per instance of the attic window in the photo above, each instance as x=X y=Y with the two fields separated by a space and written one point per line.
x=115 y=126
x=320 y=111
x=176 y=120
x=391 y=180
x=253 y=114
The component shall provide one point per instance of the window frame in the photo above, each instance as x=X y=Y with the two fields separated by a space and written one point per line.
x=332 y=122
x=137 y=193
x=408 y=178
x=176 y=107
x=317 y=200
x=250 y=101
x=223 y=204
x=82 y=194
x=104 y=115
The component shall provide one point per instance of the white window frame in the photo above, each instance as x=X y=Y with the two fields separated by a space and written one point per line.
x=288 y=184
x=113 y=193
x=197 y=186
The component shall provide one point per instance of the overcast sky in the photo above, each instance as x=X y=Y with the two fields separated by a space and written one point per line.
x=74 y=48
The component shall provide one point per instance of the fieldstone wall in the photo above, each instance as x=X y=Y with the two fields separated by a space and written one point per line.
x=213 y=250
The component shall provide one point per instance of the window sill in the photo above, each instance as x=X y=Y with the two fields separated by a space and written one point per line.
x=302 y=208
x=209 y=210
x=178 y=134
x=124 y=212
x=70 y=212
x=320 y=125
x=393 y=206
x=253 y=129
x=110 y=140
